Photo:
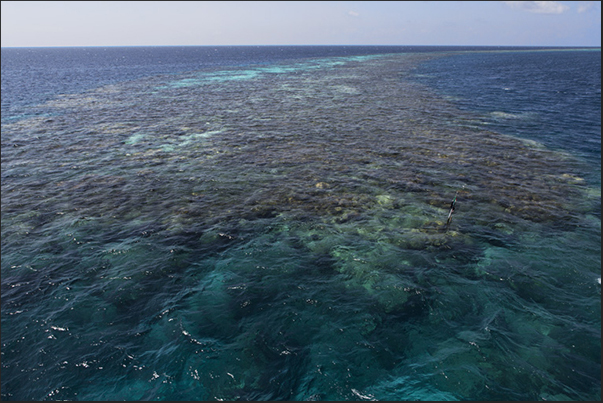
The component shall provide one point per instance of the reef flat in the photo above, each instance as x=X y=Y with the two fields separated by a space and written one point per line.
x=269 y=232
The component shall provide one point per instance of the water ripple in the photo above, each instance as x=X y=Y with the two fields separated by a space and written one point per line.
x=279 y=233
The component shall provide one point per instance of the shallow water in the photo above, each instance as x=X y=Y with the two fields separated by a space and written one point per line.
x=279 y=232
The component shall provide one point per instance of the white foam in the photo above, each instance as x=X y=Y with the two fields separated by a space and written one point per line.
x=505 y=115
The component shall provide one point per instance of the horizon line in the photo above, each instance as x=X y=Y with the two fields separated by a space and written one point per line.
x=375 y=45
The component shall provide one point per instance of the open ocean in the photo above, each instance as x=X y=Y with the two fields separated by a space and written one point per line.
x=269 y=223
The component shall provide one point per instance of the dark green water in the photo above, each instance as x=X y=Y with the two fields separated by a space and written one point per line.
x=278 y=232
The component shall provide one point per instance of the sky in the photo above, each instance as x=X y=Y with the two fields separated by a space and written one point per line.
x=219 y=23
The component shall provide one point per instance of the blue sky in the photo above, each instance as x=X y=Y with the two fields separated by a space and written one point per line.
x=148 y=23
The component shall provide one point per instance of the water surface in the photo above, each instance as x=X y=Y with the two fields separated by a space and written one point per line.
x=277 y=231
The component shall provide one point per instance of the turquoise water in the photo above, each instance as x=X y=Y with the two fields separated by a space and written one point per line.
x=279 y=232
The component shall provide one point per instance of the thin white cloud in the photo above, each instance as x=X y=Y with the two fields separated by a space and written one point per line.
x=585 y=6
x=539 y=7
x=353 y=13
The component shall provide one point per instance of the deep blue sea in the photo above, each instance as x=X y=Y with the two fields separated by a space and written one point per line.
x=271 y=223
